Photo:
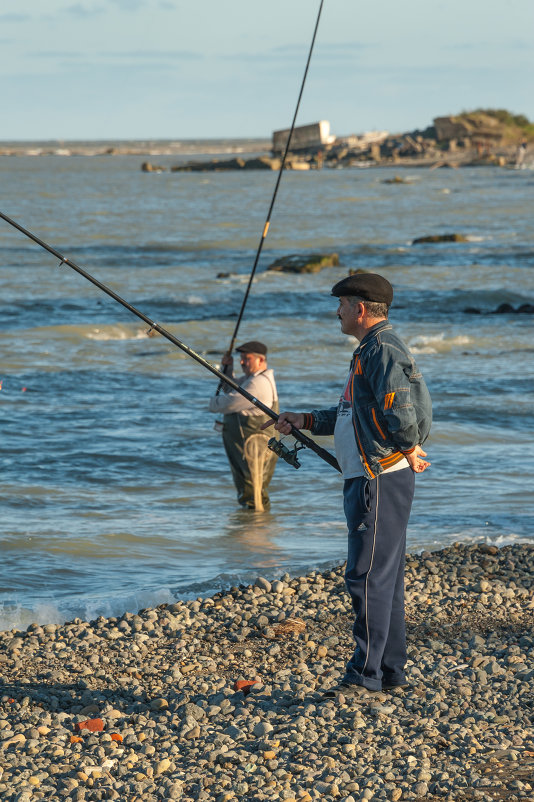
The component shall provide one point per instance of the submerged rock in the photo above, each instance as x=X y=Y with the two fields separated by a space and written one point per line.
x=263 y=163
x=441 y=238
x=213 y=165
x=397 y=180
x=503 y=309
x=147 y=167
x=238 y=163
x=304 y=263
x=524 y=309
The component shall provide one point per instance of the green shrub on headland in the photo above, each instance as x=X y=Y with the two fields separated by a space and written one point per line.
x=506 y=118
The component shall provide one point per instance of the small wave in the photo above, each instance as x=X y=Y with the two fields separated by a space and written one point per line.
x=437 y=344
x=509 y=539
x=16 y=616
x=116 y=333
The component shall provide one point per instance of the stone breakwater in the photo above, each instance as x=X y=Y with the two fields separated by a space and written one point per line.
x=145 y=707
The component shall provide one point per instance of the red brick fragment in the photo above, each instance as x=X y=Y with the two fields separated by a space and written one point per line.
x=91 y=724
x=244 y=685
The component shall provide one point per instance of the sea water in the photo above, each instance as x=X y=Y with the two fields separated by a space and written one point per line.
x=114 y=489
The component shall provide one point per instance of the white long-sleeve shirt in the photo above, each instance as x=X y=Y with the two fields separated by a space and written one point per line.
x=261 y=385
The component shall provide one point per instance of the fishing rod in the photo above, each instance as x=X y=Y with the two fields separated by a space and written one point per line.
x=289 y=455
x=273 y=199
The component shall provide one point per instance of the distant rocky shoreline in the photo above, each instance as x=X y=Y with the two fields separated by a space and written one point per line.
x=221 y=698
x=476 y=139
x=158 y=147
x=505 y=157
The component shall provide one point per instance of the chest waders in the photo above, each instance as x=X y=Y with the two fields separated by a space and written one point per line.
x=237 y=429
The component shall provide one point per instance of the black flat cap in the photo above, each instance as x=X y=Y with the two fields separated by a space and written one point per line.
x=367 y=286
x=253 y=347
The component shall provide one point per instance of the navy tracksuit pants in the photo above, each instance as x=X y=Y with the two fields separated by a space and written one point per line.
x=377 y=512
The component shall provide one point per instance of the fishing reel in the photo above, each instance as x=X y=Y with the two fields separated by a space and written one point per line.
x=287 y=454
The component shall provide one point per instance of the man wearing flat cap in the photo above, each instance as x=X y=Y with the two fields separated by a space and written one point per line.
x=252 y=465
x=379 y=425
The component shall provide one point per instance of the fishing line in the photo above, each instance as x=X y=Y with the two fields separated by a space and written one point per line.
x=273 y=199
x=302 y=438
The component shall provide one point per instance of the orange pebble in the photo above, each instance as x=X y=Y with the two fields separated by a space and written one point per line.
x=75 y=739
x=115 y=736
x=244 y=685
x=91 y=724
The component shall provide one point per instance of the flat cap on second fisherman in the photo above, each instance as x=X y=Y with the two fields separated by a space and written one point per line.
x=367 y=286
x=253 y=347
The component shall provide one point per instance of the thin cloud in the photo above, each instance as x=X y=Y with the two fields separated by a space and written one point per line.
x=52 y=54
x=129 y=5
x=132 y=56
x=14 y=17
x=326 y=47
x=185 y=55
x=81 y=11
x=293 y=52
x=512 y=44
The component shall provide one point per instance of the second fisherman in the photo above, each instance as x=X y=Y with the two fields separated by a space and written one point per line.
x=251 y=463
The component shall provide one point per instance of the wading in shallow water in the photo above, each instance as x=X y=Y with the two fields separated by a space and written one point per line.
x=251 y=462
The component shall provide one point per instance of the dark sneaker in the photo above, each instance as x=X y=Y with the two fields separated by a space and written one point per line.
x=398 y=686
x=349 y=690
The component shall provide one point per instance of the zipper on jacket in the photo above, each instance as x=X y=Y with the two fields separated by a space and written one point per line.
x=373 y=413
x=362 y=452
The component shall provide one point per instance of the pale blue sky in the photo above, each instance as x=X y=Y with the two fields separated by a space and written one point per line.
x=175 y=69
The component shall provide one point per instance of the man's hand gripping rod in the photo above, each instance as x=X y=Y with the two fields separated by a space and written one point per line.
x=285 y=453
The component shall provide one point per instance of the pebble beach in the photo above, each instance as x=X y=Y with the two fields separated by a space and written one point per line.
x=220 y=698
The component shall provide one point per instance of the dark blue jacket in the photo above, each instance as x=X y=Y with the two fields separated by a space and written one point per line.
x=391 y=405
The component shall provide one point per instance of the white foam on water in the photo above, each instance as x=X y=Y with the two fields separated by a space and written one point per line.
x=476 y=536
x=437 y=343
x=508 y=539
x=18 y=617
x=132 y=603
x=115 y=333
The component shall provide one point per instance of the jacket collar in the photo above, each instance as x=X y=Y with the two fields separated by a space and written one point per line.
x=378 y=327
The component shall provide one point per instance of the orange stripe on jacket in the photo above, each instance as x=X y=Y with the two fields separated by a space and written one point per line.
x=388 y=400
x=392 y=459
x=373 y=413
